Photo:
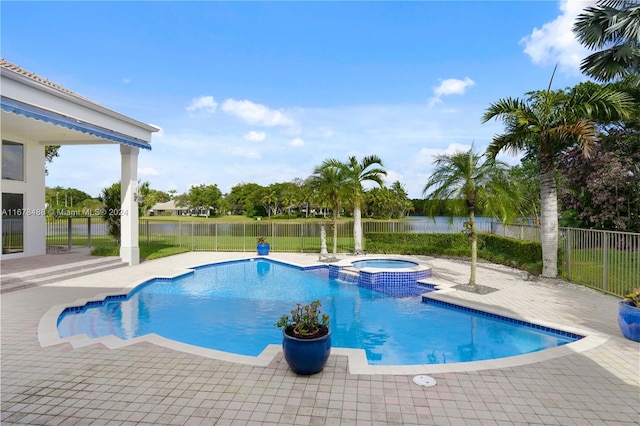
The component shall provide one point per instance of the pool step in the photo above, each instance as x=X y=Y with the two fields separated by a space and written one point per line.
x=39 y=276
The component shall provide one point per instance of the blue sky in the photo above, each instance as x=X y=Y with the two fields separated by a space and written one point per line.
x=265 y=91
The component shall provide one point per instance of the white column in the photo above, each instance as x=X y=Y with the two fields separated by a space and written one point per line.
x=129 y=249
x=35 y=226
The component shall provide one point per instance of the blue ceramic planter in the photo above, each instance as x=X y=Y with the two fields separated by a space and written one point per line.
x=629 y=321
x=306 y=356
x=263 y=249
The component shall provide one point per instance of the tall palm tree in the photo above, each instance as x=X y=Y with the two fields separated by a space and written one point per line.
x=329 y=184
x=270 y=198
x=545 y=123
x=462 y=183
x=370 y=169
x=613 y=28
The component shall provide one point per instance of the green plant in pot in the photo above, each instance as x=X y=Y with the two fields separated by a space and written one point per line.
x=306 y=338
x=629 y=315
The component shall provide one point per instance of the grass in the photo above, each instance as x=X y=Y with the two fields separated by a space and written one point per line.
x=588 y=268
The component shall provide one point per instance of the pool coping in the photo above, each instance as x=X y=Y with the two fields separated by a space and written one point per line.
x=357 y=362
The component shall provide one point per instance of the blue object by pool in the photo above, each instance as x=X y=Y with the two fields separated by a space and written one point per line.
x=384 y=263
x=233 y=307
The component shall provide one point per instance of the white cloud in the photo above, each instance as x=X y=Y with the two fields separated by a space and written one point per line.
x=449 y=86
x=555 y=43
x=243 y=152
x=433 y=101
x=253 y=113
x=148 y=171
x=453 y=86
x=254 y=136
x=297 y=142
x=426 y=156
x=126 y=80
x=206 y=103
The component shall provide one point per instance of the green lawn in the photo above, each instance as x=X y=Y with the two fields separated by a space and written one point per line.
x=588 y=268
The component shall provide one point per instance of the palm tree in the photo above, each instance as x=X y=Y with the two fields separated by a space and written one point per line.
x=402 y=199
x=613 y=28
x=356 y=173
x=545 y=123
x=270 y=198
x=462 y=183
x=329 y=184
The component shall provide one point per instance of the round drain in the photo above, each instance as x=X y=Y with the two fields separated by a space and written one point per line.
x=426 y=381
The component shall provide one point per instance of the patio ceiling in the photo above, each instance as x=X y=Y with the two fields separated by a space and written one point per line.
x=26 y=122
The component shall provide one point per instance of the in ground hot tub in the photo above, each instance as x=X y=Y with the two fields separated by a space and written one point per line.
x=384 y=263
x=397 y=277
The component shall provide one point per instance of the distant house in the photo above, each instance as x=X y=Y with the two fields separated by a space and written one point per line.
x=168 y=209
x=35 y=113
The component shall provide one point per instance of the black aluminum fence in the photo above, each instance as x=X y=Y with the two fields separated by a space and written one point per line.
x=603 y=260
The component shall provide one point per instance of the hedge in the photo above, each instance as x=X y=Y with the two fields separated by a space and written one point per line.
x=525 y=255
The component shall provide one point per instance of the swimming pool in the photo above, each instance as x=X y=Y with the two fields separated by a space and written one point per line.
x=232 y=307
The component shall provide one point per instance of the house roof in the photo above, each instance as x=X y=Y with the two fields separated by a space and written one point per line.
x=41 y=80
x=169 y=205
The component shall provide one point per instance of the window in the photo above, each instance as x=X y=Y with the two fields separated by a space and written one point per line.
x=12 y=160
x=12 y=222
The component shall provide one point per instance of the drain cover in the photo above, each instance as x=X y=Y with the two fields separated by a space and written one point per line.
x=424 y=381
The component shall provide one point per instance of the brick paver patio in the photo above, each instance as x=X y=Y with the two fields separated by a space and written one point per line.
x=149 y=384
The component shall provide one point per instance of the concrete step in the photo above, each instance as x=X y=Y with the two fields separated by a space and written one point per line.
x=39 y=276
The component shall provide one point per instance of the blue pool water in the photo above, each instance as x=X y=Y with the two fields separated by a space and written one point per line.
x=383 y=263
x=233 y=306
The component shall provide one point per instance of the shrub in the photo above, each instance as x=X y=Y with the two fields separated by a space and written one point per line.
x=525 y=255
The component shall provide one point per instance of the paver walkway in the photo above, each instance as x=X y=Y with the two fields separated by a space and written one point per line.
x=150 y=384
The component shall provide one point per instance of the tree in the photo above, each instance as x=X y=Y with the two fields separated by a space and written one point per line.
x=150 y=197
x=370 y=169
x=112 y=203
x=387 y=202
x=613 y=28
x=246 y=198
x=50 y=152
x=270 y=202
x=526 y=178
x=603 y=192
x=67 y=197
x=204 y=197
x=461 y=183
x=402 y=203
x=545 y=123
x=329 y=183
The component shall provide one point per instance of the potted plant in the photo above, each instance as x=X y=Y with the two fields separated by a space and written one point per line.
x=629 y=315
x=306 y=338
x=263 y=246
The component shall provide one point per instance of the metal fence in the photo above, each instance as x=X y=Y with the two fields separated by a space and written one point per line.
x=604 y=260
x=608 y=261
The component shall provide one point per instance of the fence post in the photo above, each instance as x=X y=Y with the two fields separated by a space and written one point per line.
x=569 y=245
x=605 y=260
x=147 y=231
x=69 y=234
x=192 y=237
x=89 y=231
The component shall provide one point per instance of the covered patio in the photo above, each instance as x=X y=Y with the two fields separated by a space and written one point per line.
x=36 y=113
